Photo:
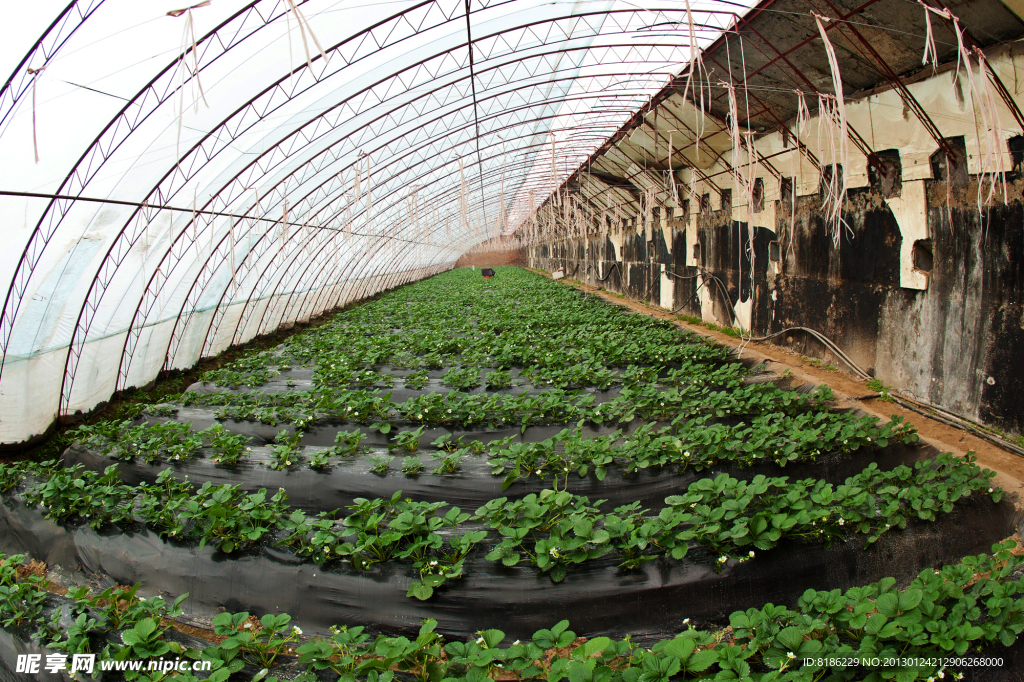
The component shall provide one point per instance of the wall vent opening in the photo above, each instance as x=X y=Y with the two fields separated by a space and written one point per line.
x=886 y=173
x=923 y=258
x=953 y=169
x=1016 y=147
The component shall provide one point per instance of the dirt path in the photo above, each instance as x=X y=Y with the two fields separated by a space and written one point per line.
x=850 y=391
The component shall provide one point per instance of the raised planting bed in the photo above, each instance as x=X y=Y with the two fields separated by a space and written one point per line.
x=608 y=453
x=956 y=622
x=470 y=479
x=388 y=563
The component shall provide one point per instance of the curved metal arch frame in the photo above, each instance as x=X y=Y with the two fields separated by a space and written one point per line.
x=547 y=20
x=171 y=351
x=394 y=269
x=129 y=124
x=244 y=317
x=17 y=84
x=322 y=287
x=385 y=276
x=49 y=44
x=78 y=340
x=127 y=121
x=263 y=326
x=449 y=85
x=399 y=248
x=532 y=105
x=495 y=172
x=197 y=291
x=108 y=140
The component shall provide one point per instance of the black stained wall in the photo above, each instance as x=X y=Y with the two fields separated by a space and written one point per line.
x=958 y=344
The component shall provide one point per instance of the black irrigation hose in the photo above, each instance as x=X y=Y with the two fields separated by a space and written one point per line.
x=827 y=342
x=716 y=280
x=695 y=291
x=669 y=272
x=615 y=263
x=931 y=411
x=695 y=298
x=605 y=278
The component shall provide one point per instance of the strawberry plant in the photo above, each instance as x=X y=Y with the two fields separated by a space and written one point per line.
x=259 y=645
x=13 y=474
x=550 y=530
x=251 y=371
x=498 y=379
x=21 y=600
x=412 y=465
x=348 y=441
x=447 y=442
x=76 y=494
x=228 y=447
x=149 y=442
x=448 y=462
x=340 y=654
x=230 y=519
x=163 y=504
x=408 y=441
x=727 y=516
x=320 y=460
x=286 y=452
x=167 y=410
x=379 y=464
x=367 y=378
x=945 y=613
x=416 y=380
x=463 y=378
x=576 y=454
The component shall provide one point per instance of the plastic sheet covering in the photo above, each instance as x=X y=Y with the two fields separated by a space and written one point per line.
x=12 y=646
x=16 y=642
x=263 y=180
x=597 y=597
x=474 y=485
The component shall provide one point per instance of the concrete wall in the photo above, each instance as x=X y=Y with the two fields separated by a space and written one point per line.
x=953 y=337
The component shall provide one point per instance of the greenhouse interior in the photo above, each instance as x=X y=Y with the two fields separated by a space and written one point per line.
x=548 y=340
